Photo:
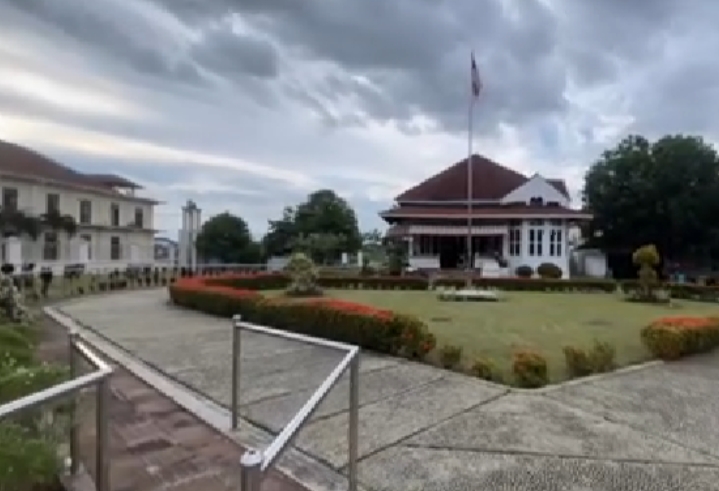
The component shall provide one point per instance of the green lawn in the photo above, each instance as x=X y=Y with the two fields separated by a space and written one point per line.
x=543 y=321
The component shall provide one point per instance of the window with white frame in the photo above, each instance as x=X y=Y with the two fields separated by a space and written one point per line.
x=555 y=243
x=50 y=247
x=536 y=236
x=540 y=239
x=515 y=241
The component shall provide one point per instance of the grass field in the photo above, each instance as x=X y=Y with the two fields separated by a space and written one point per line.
x=543 y=321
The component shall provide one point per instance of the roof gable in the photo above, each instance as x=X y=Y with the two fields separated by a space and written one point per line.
x=536 y=187
x=490 y=182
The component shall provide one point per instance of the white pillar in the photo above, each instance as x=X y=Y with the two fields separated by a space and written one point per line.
x=13 y=252
x=410 y=246
x=191 y=220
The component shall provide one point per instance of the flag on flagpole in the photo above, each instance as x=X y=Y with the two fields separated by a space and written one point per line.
x=476 y=81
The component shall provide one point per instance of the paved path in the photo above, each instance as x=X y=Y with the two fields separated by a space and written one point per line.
x=155 y=445
x=427 y=429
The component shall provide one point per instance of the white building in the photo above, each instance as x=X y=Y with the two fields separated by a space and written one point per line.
x=114 y=226
x=515 y=219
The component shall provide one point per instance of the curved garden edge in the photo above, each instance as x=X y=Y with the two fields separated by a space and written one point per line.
x=386 y=332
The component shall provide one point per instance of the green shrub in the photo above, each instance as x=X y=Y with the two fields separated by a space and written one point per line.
x=578 y=363
x=603 y=357
x=450 y=356
x=18 y=381
x=599 y=359
x=27 y=461
x=524 y=271
x=486 y=370
x=549 y=271
x=530 y=369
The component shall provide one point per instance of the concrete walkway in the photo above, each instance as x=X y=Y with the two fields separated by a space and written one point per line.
x=423 y=428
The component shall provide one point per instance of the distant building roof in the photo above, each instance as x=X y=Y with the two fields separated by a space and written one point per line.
x=490 y=181
x=19 y=161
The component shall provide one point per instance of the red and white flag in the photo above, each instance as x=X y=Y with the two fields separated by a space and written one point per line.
x=476 y=81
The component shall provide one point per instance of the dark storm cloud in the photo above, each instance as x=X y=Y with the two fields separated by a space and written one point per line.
x=132 y=39
x=129 y=39
x=233 y=54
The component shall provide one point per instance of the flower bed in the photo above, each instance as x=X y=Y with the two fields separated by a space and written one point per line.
x=670 y=338
x=280 y=281
x=375 y=329
x=384 y=331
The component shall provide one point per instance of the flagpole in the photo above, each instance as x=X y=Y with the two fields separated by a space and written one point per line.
x=470 y=184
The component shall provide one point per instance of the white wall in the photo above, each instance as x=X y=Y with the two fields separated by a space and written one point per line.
x=32 y=198
x=524 y=258
x=536 y=187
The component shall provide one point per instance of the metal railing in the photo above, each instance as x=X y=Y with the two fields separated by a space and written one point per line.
x=255 y=464
x=100 y=377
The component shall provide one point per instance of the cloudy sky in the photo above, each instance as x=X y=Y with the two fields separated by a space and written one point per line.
x=249 y=105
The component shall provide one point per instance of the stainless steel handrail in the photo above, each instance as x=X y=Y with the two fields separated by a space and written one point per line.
x=254 y=464
x=99 y=377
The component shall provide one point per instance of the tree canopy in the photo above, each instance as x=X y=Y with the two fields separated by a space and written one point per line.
x=323 y=226
x=664 y=193
x=227 y=239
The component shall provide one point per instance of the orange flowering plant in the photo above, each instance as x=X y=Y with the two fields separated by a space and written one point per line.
x=671 y=338
x=380 y=330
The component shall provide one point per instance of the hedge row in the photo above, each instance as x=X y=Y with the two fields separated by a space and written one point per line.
x=671 y=338
x=279 y=282
x=378 y=330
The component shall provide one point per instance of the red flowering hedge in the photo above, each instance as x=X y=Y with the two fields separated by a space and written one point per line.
x=378 y=330
x=670 y=338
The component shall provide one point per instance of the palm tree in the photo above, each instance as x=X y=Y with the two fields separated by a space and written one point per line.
x=55 y=221
x=18 y=223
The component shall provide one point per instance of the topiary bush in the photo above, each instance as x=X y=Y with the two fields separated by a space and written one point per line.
x=549 y=271
x=647 y=258
x=524 y=271
x=303 y=274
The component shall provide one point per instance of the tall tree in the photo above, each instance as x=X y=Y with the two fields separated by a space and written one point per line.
x=227 y=239
x=664 y=193
x=281 y=233
x=326 y=213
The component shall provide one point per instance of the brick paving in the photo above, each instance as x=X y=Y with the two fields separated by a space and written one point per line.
x=154 y=444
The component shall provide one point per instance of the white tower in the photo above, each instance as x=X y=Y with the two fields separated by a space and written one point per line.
x=191 y=219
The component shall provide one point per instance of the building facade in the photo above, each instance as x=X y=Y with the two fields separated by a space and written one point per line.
x=515 y=220
x=114 y=226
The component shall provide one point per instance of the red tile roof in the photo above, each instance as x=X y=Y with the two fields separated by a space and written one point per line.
x=16 y=160
x=490 y=181
x=484 y=211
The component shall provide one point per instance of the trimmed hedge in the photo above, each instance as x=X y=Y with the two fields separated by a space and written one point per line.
x=370 y=328
x=280 y=282
x=671 y=338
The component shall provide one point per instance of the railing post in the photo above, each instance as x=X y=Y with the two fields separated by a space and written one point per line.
x=102 y=457
x=353 y=422
x=74 y=429
x=236 y=351
x=251 y=471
